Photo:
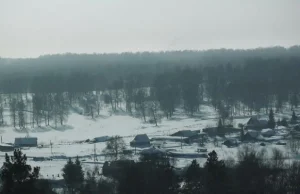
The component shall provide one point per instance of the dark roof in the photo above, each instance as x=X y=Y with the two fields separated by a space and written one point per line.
x=184 y=133
x=25 y=141
x=152 y=151
x=141 y=138
x=255 y=121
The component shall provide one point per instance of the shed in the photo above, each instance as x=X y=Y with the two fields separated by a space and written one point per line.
x=184 y=133
x=26 y=141
x=101 y=139
x=252 y=135
x=267 y=132
x=140 y=140
x=231 y=143
x=6 y=147
x=152 y=151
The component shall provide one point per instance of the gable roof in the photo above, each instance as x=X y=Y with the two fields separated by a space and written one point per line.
x=141 y=138
x=253 y=134
x=257 y=121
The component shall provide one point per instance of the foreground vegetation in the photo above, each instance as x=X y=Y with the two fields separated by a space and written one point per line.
x=252 y=172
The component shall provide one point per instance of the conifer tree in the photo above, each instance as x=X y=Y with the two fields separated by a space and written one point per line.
x=271 y=122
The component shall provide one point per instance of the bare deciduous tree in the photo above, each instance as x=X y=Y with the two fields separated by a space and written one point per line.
x=153 y=108
x=115 y=149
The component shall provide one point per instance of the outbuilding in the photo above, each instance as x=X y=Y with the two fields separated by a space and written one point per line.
x=26 y=141
x=140 y=140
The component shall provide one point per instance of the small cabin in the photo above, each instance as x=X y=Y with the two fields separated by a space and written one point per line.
x=6 y=147
x=26 y=142
x=256 y=123
x=140 y=140
x=184 y=133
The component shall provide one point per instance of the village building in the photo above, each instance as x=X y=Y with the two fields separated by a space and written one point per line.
x=255 y=123
x=25 y=142
x=140 y=140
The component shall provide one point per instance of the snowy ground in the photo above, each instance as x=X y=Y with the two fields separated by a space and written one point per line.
x=80 y=128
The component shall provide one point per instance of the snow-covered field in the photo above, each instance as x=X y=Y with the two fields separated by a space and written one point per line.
x=80 y=128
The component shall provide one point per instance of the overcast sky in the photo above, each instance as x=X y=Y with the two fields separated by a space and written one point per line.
x=29 y=28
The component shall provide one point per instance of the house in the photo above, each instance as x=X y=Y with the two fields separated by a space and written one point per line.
x=267 y=132
x=101 y=139
x=6 y=147
x=140 y=140
x=231 y=143
x=252 y=135
x=25 y=141
x=199 y=137
x=152 y=151
x=256 y=124
x=184 y=133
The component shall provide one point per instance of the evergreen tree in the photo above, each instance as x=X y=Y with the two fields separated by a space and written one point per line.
x=215 y=171
x=284 y=122
x=193 y=179
x=294 y=118
x=17 y=176
x=73 y=175
x=271 y=121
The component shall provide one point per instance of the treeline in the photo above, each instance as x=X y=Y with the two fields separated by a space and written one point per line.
x=256 y=86
x=252 y=172
x=90 y=72
x=30 y=110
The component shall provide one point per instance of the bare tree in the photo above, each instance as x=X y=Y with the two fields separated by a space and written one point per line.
x=115 y=149
x=294 y=145
x=153 y=108
x=13 y=111
x=98 y=102
x=21 y=114
x=141 y=102
x=61 y=106
x=1 y=110
x=277 y=159
x=37 y=108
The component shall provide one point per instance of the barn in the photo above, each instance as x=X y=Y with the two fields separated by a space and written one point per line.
x=26 y=141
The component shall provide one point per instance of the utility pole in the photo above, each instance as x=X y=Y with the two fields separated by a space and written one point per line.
x=181 y=142
x=95 y=156
x=51 y=147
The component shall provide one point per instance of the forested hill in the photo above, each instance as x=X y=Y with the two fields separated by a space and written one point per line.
x=85 y=72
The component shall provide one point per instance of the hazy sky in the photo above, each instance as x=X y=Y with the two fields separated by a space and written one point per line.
x=29 y=28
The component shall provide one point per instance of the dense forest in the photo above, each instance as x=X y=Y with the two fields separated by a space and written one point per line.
x=235 y=82
x=85 y=72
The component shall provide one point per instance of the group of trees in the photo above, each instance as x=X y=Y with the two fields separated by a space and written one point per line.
x=47 y=108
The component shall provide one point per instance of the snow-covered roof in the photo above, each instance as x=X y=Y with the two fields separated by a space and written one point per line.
x=256 y=120
x=152 y=150
x=267 y=132
x=141 y=138
x=5 y=145
x=254 y=134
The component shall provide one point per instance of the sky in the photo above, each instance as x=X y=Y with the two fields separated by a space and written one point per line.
x=30 y=28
